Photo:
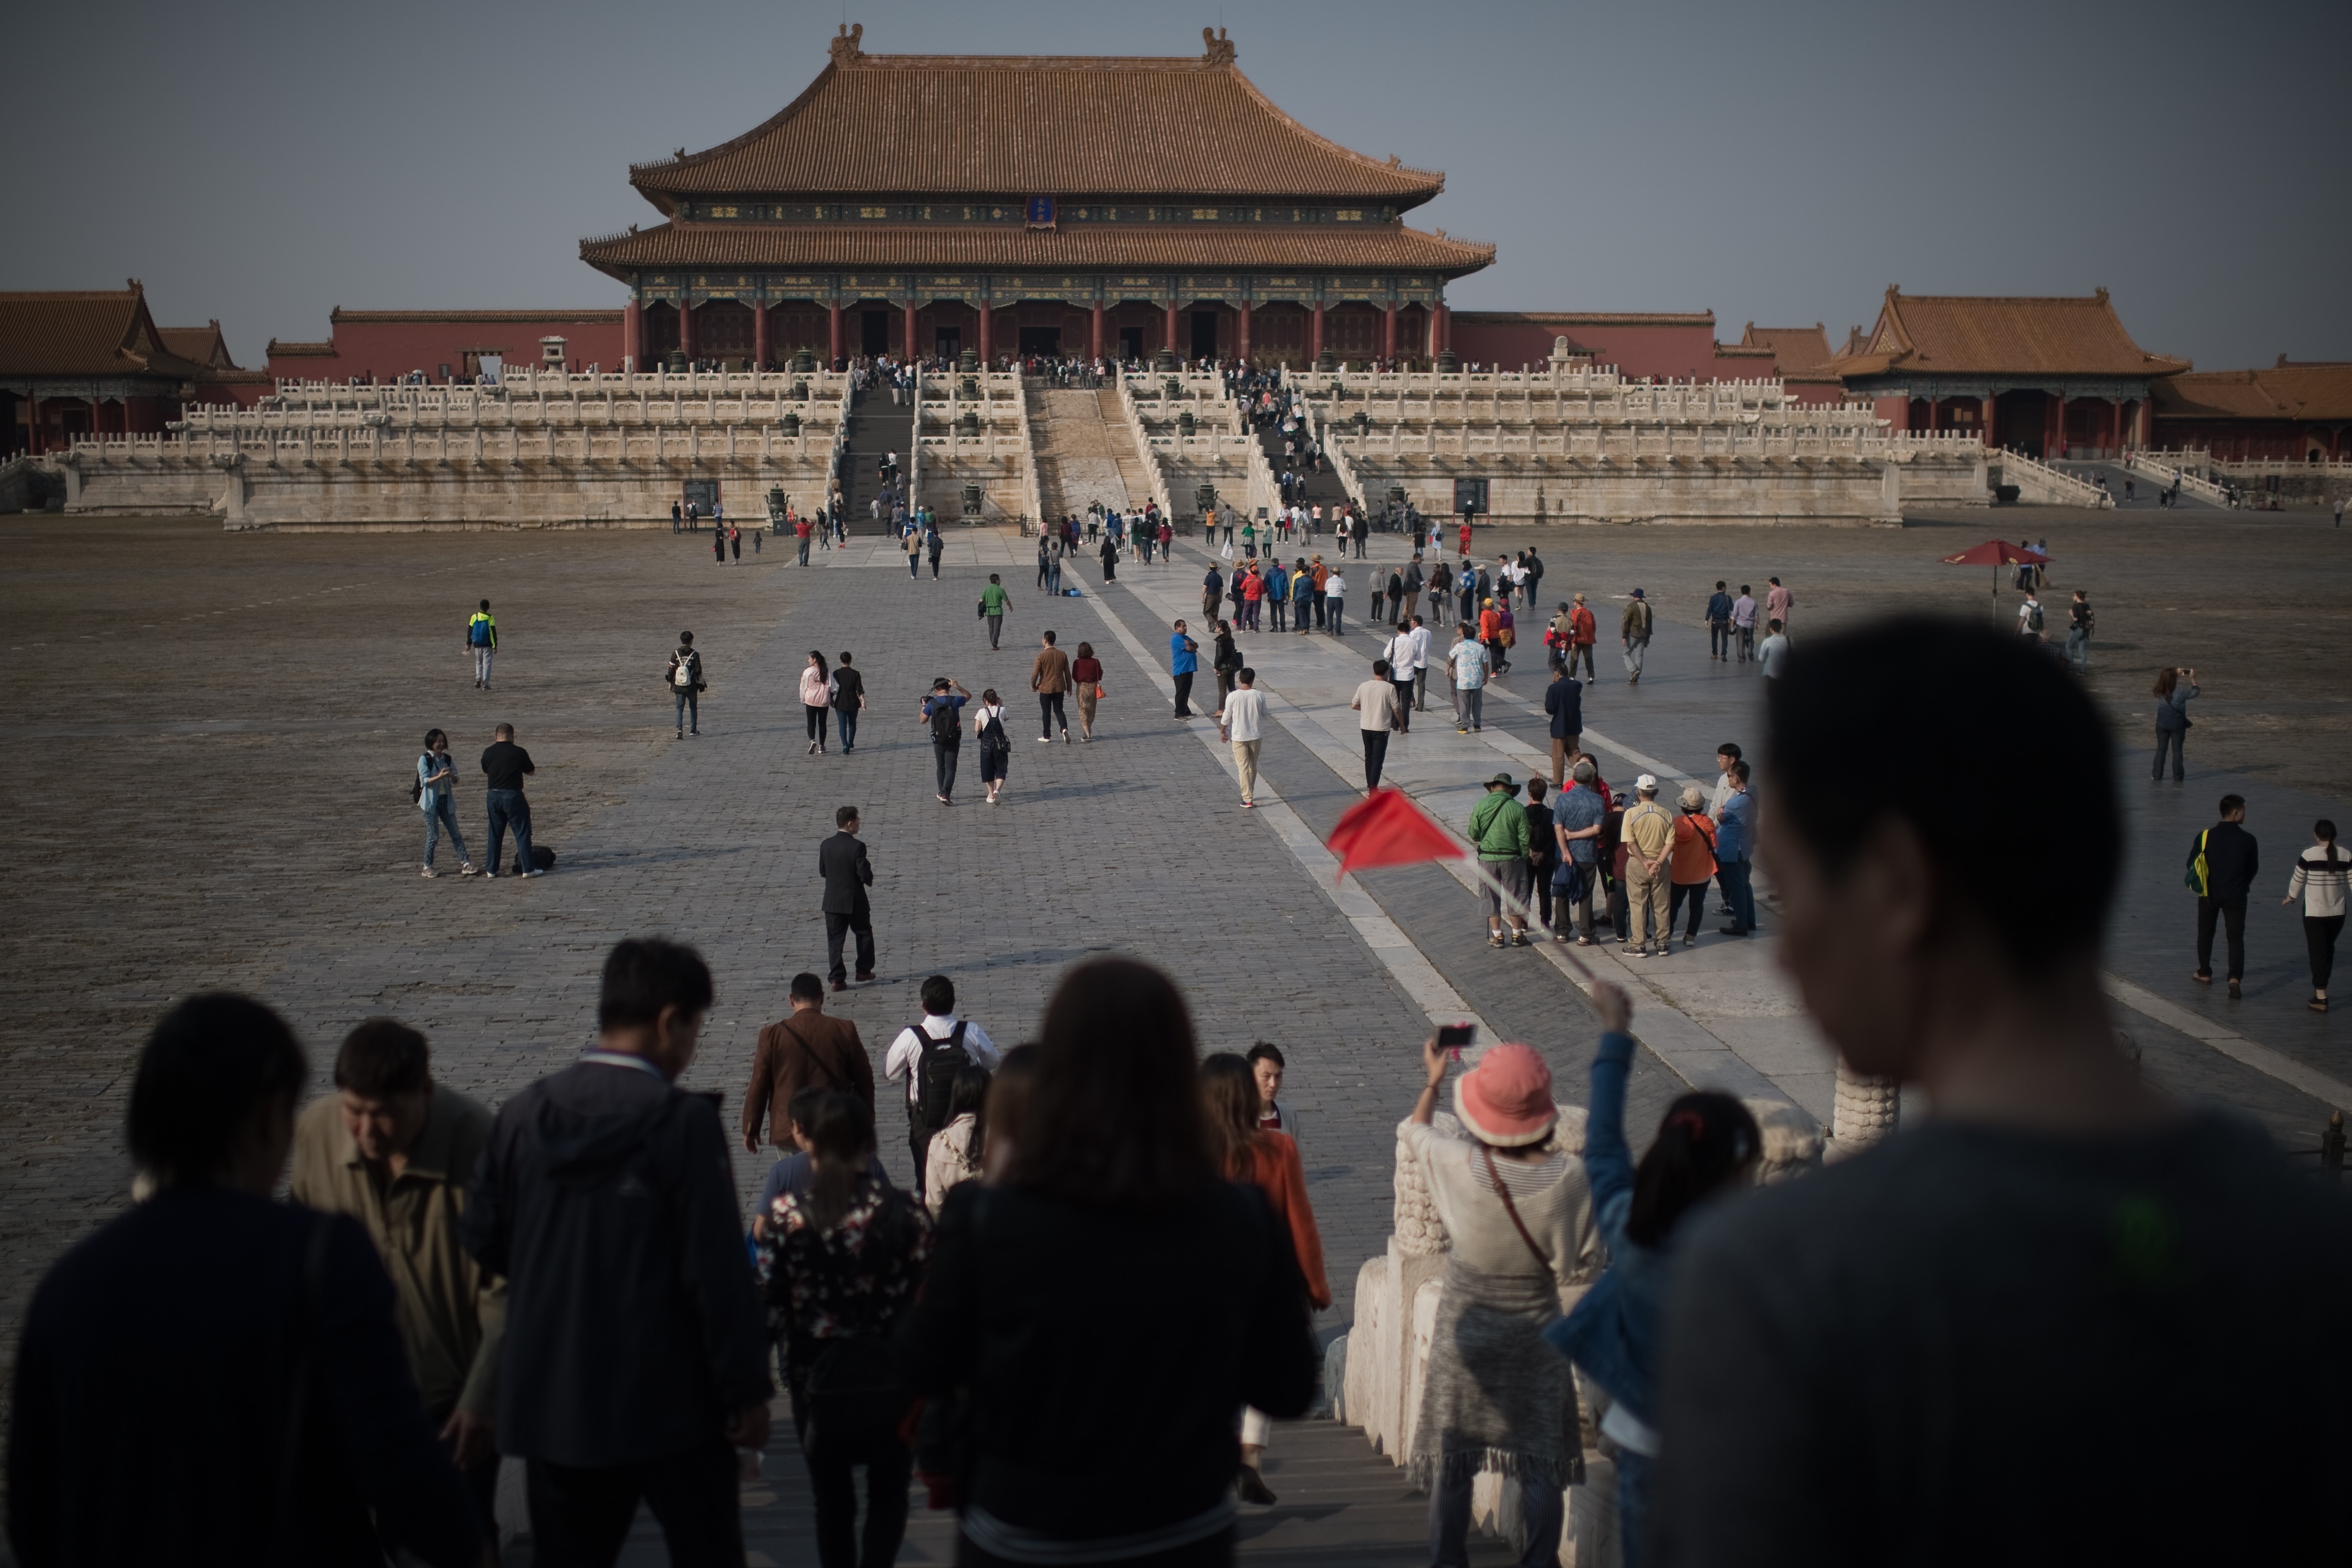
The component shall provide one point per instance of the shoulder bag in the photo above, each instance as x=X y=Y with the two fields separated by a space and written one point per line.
x=1504 y=1192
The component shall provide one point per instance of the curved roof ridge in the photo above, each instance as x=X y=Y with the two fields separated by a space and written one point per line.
x=688 y=160
x=1392 y=166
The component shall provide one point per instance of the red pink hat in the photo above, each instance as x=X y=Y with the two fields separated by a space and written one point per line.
x=1506 y=1100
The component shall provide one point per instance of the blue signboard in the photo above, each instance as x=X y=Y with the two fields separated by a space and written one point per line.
x=1040 y=211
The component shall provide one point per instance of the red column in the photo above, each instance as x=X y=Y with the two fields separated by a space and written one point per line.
x=1171 y=327
x=633 y=334
x=1315 y=342
x=1241 y=333
x=907 y=348
x=1931 y=414
x=1986 y=407
x=1094 y=336
x=2053 y=435
x=1387 y=334
x=834 y=346
x=1441 y=326
x=760 y=345
x=684 y=330
x=984 y=346
x=33 y=422
x=2114 y=425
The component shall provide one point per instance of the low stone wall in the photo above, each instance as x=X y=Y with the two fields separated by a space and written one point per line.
x=1837 y=489
x=1385 y=1352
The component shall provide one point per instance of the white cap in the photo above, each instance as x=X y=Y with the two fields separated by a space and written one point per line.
x=1646 y=781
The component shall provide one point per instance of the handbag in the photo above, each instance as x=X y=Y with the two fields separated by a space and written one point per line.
x=2200 y=877
x=1567 y=880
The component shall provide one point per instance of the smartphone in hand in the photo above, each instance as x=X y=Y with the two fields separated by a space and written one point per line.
x=1453 y=1036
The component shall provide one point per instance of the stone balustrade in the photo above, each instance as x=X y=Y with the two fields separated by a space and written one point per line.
x=1155 y=471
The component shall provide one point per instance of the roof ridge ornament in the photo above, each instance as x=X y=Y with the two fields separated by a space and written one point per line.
x=1220 y=51
x=845 y=51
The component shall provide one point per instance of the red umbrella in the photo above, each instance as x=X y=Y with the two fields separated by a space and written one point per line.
x=1996 y=554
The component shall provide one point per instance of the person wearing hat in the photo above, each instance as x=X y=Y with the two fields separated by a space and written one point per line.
x=1498 y=826
x=1519 y=1211
x=1635 y=629
x=1648 y=833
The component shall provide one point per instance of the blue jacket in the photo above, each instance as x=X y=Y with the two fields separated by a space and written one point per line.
x=1181 y=660
x=1613 y=1332
x=1735 y=838
x=1719 y=607
x=1564 y=701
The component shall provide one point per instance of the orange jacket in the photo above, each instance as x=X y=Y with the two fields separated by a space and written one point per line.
x=1581 y=618
x=1277 y=1173
x=1693 y=861
x=1490 y=625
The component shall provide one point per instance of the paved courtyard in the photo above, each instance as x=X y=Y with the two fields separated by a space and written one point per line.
x=215 y=738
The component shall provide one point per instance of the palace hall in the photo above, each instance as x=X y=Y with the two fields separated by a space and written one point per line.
x=929 y=204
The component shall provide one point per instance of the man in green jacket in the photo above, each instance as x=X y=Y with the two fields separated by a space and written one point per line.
x=993 y=600
x=1499 y=828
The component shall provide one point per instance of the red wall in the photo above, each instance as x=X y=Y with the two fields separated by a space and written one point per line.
x=1676 y=350
x=386 y=351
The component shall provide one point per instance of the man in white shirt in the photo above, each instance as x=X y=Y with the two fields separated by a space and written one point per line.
x=1376 y=706
x=924 y=1057
x=1242 y=721
x=1334 y=589
x=1772 y=653
x=1398 y=652
x=1743 y=624
x=1467 y=660
x=1419 y=664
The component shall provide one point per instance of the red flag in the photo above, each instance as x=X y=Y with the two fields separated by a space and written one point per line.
x=1386 y=828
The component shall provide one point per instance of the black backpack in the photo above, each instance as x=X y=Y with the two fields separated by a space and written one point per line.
x=937 y=1062
x=947 y=723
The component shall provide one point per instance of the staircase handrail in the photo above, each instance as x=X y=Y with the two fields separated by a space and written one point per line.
x=2195 y=483
x=1142 y=439
x=2057 y=479
x=1031 y=498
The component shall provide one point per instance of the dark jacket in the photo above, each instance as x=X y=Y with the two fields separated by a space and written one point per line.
x=154 y=1385
x=2230 y=861
x=634 y=1329
x=804 y=1050
x=849 y=689
x=1564 y=701
x=1065 y=1318
x=841 y=861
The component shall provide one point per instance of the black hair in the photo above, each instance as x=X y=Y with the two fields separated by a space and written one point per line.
x=486 y=604
x=208 y=1064
x=686 y=637
x=805 y=986
x=803 y=1104
x=2232 y=803
x=1535 y=788
x=1729 y=749
x=1985 y=682
x=844 y=816
x=430 y=734
x=819 y=658
x=1246 y=675
x=645 y=974
x=840 y=1140
x=1380 y=666
x=2324 y=828
x=383 y=1057
x=1049 y=639
x=845 y=655
x=1114 y=1114
x=993 y=577
x=1266 y=1050
x=1705 y=1140
x=939 y=996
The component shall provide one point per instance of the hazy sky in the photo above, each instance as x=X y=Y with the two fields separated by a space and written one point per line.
x=264 y=162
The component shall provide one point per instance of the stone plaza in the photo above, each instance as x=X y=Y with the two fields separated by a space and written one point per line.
x=212 y=792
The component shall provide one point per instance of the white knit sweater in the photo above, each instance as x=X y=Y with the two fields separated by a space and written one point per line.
x=1559 y=1217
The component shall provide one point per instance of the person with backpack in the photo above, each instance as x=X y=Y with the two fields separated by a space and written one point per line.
x=2223 y=861
x=941 y=710
x=1634 y=630
x=926 y=1057
x=995 y=742
x=957 y=1149
x=2030 y=619
x=436 y=776
x=684 y=678
x=847 y=689
x=2080 y=623
x=843 y=1263
x=803 y=1051
x=482 y=639
x=1708 y=1146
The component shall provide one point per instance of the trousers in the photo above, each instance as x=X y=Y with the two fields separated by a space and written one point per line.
x=838 y=928
x=1695 y=894
x=581 y=1518
x=1246 y=760
x=443 y=814
x=1183 y=693
x=833 y=1481
x=482 y=657
x=1636 y=648
x=845 y=721
x=943 y=762
x=510 y=808
x=1739 y=893
x=2232 y=919
x=1469 y=707
x=1583 y=650
x=815 y=721
x=1376 y=753
x=2319 y=935
x=2174 y=740
x=1050 y=710
x=689 y=707
x=1718 y=639
x=1647 y=893
x=1543 y=1508
x=995 y=626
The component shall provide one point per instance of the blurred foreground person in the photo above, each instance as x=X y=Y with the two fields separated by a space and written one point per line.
x=214 y=1378
x=637 y=1349
x=2066 y=1321
x=1111 y=1273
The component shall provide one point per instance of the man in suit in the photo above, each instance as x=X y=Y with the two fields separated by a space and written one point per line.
x=847 y=874
x=806 y=1051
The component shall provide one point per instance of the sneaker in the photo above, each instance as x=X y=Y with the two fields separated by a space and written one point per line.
x=1635 y=953
x=1495 y=940
x=812 y=750
x=534 y=872
x=681 y=735
x=1519 y=938
x=430 y=872
x=1044 y=740
x=2203 y=976
x=2234 y=993
x=1690 y=941
x=944 y=801
x=1065 y=738
x=468 y=869
x=1461 y=729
